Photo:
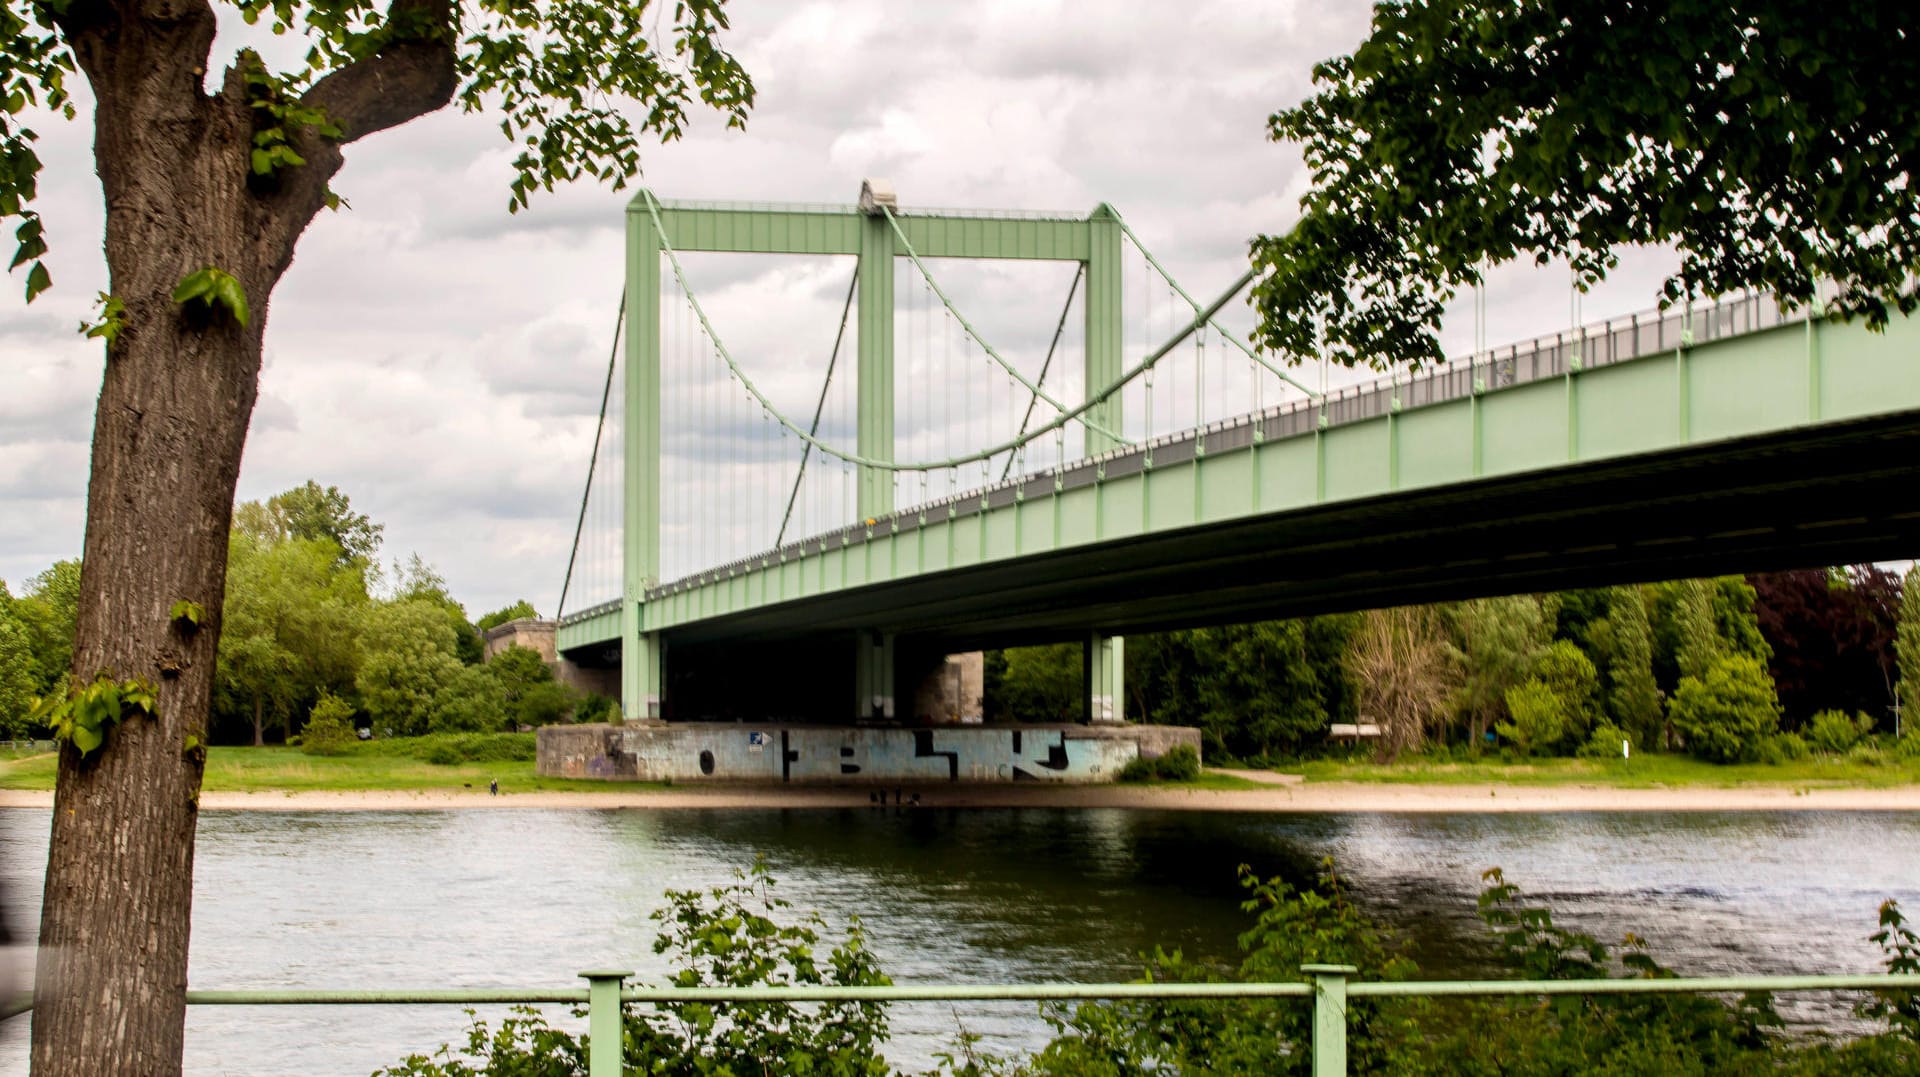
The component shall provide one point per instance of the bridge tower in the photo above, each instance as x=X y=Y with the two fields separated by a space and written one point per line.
x=877 y=233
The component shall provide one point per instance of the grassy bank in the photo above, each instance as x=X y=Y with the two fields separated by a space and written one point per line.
x=1648 y=771
x=382 y=765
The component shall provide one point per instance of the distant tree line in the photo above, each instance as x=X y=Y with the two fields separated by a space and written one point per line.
x=1768 y=666
x=314 y=627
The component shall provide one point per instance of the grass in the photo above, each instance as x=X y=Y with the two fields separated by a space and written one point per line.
x=277 y=769
x=1642 y=772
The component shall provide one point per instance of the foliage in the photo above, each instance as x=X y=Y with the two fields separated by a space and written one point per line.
x=1467 y=133
x=517 y=611
x=1907 y=649
x=416 y=581
x=1569 y=674
x=1254 y=690
x=84 y=717
x=310 y=512
x=1900 y=1009
x=1727 y=713
x=1836 y=731
x=1832 y=636
x=1181 y=763
x=47 y=608
x=329 y=728
x=451 y=749
x=290 y=629
x=213 y=288
x=1604 y=742
x=18 y=685
x=734 y=935
x=1538 y=717
x=1043 y=684
x=595 y=707
x=1499 y=639
x=408 y=656
x=1634 y=700
x=469 y=702
x=1398 y=662
x=1782 y=748
x=1291 y=927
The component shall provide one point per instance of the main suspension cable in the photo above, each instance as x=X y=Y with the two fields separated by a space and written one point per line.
x=606 y=391
x=806 y=448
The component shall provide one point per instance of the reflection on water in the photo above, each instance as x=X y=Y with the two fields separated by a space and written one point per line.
x=528 y=898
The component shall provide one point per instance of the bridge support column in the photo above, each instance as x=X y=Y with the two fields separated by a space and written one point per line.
x=640 y=683
x=641 y=677
x=874 y=380
x=1106 y=678
x=873 y=676
x=1105 y=325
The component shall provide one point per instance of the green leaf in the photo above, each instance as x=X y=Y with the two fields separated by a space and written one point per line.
x=195 y=285
x=187 y=611
x=213 y=287
x=229 y=293
x=38 y=280
x=87 y=738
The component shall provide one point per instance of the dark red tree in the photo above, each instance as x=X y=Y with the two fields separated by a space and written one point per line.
x=1832 y=636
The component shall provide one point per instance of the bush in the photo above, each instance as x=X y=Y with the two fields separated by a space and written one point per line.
x=1604 y=742
x=594 y=708
x=329 y=729
x=1539 y=717
x=1782 y=748
x=447 y=749
x=1868 y=751
x=725 y=937
x=1834 y=732
x=1179 y=764
x=1726 y=713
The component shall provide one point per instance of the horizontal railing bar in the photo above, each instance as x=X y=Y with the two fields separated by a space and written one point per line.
x=1676 y=986
x=1035 y=992
x=450 y=996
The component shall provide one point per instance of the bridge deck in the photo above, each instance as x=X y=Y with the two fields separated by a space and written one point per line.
x=1762 y=443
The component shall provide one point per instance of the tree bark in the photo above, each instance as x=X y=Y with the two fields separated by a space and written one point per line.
x=169 y=429
x=259 y=729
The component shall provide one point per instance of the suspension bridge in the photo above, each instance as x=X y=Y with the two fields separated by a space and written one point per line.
x=798 y=534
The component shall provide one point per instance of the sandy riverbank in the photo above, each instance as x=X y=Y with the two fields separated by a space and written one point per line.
x=1279 y=795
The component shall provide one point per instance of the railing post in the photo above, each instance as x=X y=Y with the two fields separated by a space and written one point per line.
x=605 y=1030
x=1329 y=1018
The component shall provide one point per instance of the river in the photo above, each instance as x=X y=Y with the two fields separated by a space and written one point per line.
x=528 y=898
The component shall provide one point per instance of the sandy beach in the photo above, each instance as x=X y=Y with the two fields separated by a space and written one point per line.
x=1280 y=793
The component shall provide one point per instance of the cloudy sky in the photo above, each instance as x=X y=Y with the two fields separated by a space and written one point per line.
x=441 y=360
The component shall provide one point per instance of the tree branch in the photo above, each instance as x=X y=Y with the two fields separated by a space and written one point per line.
x=411 y=76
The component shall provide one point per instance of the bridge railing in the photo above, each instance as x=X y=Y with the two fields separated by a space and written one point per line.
x=1329 y=987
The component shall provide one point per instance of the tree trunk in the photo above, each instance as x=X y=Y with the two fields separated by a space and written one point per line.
x=259 y=730
x=179 y=388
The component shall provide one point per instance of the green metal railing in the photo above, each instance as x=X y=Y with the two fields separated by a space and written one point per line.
x=1329 y=986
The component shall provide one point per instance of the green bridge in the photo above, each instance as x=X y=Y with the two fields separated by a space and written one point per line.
x=1722 y=438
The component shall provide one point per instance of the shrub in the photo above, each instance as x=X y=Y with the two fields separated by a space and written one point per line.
x=1782 y=748
x=1834 y=732
x=730 y=936
x=1178 y=764
x=1539 y=717
x=1726 y=713
x=594 y=708
x=329 y=729
x=1604 y=742
x=1868 y=751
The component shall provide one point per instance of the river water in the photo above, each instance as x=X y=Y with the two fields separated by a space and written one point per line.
x=488 y=898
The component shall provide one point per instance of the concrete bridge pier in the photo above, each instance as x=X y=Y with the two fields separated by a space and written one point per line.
x=1105 y=678
x=873 y=673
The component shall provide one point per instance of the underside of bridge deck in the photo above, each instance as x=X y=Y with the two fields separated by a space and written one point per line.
x=1834 y=494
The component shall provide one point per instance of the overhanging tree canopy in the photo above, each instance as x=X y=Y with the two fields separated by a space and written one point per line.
x=1771 y=142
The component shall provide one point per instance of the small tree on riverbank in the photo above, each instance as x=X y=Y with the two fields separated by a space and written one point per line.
x=1402 y=674
x=1907 y=650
